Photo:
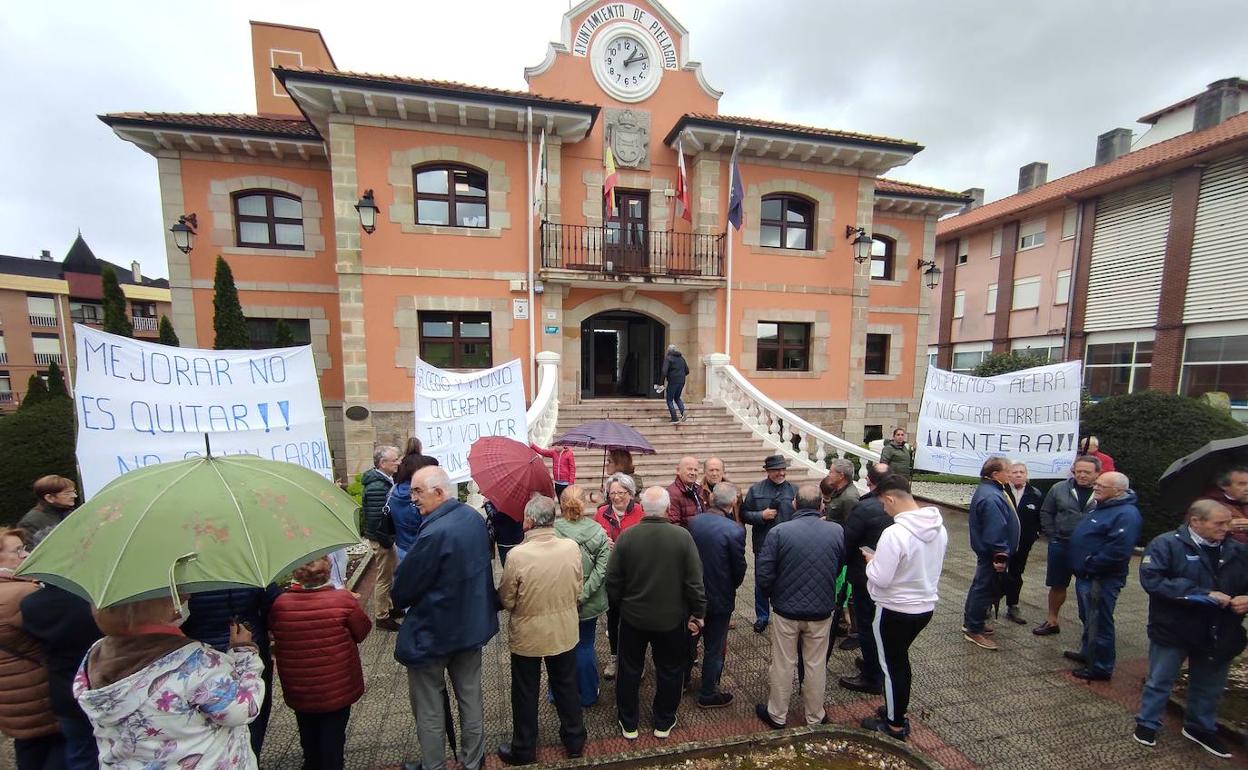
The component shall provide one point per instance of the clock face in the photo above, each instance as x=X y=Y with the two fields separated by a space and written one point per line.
x=626 y=64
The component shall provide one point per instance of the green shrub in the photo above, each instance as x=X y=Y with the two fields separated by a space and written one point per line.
x=1145 y=432
x=1004 y=363
x=38 y=440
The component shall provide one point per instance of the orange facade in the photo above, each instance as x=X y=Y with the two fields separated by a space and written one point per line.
x=458 y=249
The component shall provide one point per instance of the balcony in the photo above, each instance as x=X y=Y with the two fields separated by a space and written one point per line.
x=143 y=324
x=4 y=357
x=7 y=397
x=43 y=320
x=598 y=252
x=43 y=359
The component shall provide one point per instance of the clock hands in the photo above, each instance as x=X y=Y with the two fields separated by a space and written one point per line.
x=638 y=56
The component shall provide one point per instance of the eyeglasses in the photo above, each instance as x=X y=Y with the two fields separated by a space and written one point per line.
x=20 y=551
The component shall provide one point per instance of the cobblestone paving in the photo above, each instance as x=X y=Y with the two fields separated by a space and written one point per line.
x=1016 y=708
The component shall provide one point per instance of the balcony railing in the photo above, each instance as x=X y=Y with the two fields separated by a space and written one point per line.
x=43 y=320
x=7 y=397
x=627 y=252
x=4 y=357
x=143 y=324
x=43 y=359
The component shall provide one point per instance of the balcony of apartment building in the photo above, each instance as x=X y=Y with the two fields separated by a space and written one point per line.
x=629 y=251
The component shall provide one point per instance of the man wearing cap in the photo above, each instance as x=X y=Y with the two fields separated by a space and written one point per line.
x=768 y=503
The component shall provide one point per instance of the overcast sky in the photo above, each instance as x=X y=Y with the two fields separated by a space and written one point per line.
x=985 y=85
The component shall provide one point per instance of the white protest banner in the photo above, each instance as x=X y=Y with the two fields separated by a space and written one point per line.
x=454 y=409
x=1031 y=416
x=140 y=403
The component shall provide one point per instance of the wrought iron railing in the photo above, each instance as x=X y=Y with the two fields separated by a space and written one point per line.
x=624 y=252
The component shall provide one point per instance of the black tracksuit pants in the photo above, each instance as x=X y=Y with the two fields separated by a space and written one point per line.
x=894 y=633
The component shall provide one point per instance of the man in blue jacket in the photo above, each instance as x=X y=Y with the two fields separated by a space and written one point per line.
x=446 y=584
x=1100 y=552
x=721 y=547
x=994 y=530
x=1197 y=583
x=797 y=570
x=767 y=504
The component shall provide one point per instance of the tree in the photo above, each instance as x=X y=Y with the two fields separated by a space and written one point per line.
x=167 y=335
x=115 y=319
x=1144 y=432
x=36 y=392
x=283 y=337
x=1004 y=363
x=56 y=382
x=228 y=322
x=38 y=440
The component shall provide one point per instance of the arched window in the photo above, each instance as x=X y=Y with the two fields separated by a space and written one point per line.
x=883 y=257
x=787 y=222
x=451 y=195
x=267 y=219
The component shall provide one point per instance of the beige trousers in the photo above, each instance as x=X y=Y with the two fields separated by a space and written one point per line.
x=813 y=635
x=386 y=560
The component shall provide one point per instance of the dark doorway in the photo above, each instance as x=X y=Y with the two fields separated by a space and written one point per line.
x=627 y=234
x=621 y=353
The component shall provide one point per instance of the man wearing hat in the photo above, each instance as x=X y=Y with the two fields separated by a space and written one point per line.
x=768 y=503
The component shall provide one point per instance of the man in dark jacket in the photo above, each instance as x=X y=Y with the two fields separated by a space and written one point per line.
x=674 y=372
x=768 y=503
x=1197 y=583
x=863 y=527
x=1063 y=508
x=797 y=570
x=1027 y=501
x=446 y=583
x=721 y=547
x=712 y=474
x=54 y=500
x=378 y=481
x=686 y=493
x=1100 y=552
x=63 y=625
x=840 y=494
x=1231 y=490
x=655 y=577
x=994 y=531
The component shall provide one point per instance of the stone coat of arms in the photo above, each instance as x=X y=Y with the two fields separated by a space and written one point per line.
x=629 y=136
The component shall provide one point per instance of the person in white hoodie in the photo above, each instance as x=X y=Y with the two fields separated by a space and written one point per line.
x=902 y=576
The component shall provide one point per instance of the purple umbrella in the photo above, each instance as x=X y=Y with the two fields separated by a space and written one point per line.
x=605 y=434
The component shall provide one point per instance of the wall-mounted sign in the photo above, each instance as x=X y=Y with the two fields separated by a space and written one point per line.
x=552 y=329
x=648 y=23
x=520 y=309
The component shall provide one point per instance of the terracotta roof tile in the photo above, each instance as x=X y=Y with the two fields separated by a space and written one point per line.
x=229 y=122
x=448 y=85
x=893 y=187
x=798 y=128
x=1142 y=160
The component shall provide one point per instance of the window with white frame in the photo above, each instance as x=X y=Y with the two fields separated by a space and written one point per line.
x=959 y=304
x=1069 y=217
x=1026 y=293
x=964 y=250
x=931 y=356
x=992 y=299
x=6 y=387
x=41 y=311
x=1031 y=234
x=996 y=242
x=1048 y=350
x=966 y=358
x=1216 y=364
x=1061 y=288
x=1115 y=368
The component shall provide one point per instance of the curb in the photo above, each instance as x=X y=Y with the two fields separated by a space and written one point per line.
x=359 y=571
x=1237 y=730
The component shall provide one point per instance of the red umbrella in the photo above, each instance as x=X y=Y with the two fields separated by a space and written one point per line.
x=508 y=473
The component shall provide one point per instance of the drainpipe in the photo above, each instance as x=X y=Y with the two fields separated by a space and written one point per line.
x=1070 y=288
x=529 y=282
x=69 y=375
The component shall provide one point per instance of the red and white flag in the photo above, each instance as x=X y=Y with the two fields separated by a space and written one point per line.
x=682 y=185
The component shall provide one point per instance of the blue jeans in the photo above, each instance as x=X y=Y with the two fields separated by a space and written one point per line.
x=762 y=607
x=587 y=663
x=714 y=641
x=1097 y=599
x=81 y=752
x=864 y=616
x=1206 y=683
x=979 y=598
x=674 y=389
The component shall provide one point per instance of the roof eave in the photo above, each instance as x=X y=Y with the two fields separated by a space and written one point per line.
x=154 y=137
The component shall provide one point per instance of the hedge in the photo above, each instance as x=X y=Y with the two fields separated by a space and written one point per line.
x=38 y=440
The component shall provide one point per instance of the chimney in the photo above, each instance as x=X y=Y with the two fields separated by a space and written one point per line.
x=976 y=194
x=1218 y=102
x=1112 y=145
x=45 y=256
x=1032 y=175
x=138 y=274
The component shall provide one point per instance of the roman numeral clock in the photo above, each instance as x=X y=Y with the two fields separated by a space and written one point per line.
x=626 y=62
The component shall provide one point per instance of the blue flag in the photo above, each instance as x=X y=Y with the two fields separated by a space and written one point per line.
x=736 y=194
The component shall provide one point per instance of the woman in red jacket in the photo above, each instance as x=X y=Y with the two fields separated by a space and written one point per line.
x=315 y=629
x=562 y=466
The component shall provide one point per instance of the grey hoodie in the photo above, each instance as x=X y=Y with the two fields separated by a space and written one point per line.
x=905 y=571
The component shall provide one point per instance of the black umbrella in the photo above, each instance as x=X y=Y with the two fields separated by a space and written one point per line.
x=1189 y=477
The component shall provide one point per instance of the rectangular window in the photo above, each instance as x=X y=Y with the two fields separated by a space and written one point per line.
x=783 y=347
x=4 y=353
x=877 y=354
x=41 y=311
x=456 y=340
x=964 y=250
x=992 y=299
x=6 y=384
x=1069 y=217
x=86 y=312
x=1031 y=234
x=1216 y=364
x=1061 y=288
x=1026 y=293
x=1115 y=368
x=959 y=304
x=968 y=360
x=262 y=332
x=996 y=242
x=931 y=356
x=143 y=309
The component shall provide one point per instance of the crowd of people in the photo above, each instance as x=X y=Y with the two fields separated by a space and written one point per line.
x=162 y=682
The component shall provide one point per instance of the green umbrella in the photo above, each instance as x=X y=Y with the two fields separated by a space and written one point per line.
x=200 y=525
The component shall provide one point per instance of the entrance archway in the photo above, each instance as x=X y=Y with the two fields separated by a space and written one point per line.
x=621 y=353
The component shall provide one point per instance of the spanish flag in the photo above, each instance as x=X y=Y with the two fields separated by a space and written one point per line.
x=608 y=183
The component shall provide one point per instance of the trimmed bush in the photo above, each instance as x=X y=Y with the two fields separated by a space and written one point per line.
x=115 y=319
x=56 y=382
x=1145 y=432
x=1004 y=363
x=228 y=322
x=36 y=392
x=167 y=335
x=38 y=439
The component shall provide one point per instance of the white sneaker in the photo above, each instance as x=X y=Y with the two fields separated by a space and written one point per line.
x=608 y=672
x=628 y=734
x=664 y=733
